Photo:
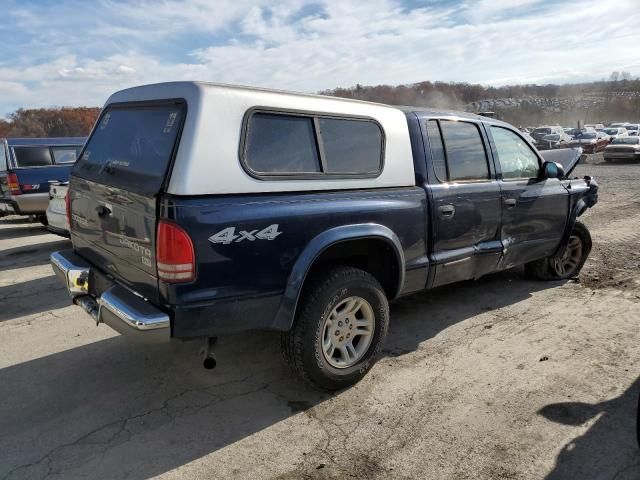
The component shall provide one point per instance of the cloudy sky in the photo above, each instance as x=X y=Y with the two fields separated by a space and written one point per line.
x=76 y=52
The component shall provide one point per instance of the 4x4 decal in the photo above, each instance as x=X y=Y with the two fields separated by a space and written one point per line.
x=228 y=235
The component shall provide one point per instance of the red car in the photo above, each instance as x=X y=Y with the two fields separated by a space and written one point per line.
x=591 y=142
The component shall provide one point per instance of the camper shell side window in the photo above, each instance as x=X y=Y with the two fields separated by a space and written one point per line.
x=280 y=145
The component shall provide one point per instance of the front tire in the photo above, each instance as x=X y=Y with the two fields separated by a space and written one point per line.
x=339 y=330
x=569 y=263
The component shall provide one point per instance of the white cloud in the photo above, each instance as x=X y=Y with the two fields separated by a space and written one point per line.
x=113 y=45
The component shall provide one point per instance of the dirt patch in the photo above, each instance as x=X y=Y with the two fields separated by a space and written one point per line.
x=359 y=467
x=614 y=262
x=500 y=378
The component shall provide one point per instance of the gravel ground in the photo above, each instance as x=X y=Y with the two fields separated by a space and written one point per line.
x=498 y=378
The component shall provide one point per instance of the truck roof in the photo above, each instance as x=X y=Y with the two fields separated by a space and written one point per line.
x=168 y=86
x=52 y=141
x=423 y=112
x=206 y=160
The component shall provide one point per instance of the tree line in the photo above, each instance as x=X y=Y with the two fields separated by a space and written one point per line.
x=616 y=98
x=613 y=104
x=49 y=122
x=458 y=94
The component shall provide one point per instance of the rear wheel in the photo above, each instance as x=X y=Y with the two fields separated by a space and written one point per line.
x=340 y=329
x=566 y=264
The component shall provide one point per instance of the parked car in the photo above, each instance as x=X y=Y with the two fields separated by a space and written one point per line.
x=57 y=210
x=633 y=129
x=598 y=127
x=540 y=132
x=303 y=214
x=528 y=137
x=553 y=140
x=616 y=132
x=623 y=148
x=27 y=165
x=590 y=142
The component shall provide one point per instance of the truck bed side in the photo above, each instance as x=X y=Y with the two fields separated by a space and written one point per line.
x=250 y=274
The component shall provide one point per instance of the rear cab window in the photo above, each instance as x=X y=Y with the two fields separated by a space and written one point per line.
x=132 y=146
x=65 y=155
x=292 y=145
x=26 y=157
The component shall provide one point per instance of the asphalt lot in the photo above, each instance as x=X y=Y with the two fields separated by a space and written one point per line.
x=499 y=378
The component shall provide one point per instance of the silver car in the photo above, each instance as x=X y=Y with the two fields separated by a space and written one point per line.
x=57 y=221
x=623 y=148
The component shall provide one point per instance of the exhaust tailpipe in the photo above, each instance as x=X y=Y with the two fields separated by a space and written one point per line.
x=89 y=305
x=209 y=361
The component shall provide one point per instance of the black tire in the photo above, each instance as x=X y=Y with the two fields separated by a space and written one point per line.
x=43 y=220
x=302 y=345
x=546 y=269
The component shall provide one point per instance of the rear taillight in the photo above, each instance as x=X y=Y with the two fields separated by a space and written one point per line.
x=67 y=207
x=13 y=184
x=175 y=257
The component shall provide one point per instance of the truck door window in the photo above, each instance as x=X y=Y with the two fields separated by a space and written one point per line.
x=466 y=156
x=437 y=150
x=32 y=156
x=516 y=158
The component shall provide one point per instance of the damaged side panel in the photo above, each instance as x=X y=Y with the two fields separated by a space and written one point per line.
x=583 y=194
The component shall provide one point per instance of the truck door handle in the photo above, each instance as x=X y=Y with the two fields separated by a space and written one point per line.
x=510 y=202
x=447 y=210
x=103 y=211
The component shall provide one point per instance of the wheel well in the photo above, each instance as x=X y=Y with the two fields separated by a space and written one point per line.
x=374 y=256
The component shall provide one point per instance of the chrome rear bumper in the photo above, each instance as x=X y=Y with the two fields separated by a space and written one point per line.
x=31 y=203
x=117 y=306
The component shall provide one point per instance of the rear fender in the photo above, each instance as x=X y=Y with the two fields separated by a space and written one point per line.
x=286 y=312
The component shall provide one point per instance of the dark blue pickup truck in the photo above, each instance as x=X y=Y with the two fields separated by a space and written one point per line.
x=27 y=165
x=201 y=209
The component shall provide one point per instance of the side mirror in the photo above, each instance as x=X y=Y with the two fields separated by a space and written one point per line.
x=552 y=170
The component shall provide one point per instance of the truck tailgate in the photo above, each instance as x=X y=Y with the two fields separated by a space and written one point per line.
x=114 y=187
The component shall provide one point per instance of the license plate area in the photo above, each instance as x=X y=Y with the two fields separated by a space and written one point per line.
x=98 y=283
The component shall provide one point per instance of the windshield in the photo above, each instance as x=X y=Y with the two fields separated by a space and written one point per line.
x=586 y=135
x=542 y=130
x=131 y=147
x=626 y=141
x=552 y=138
x=611 y=131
